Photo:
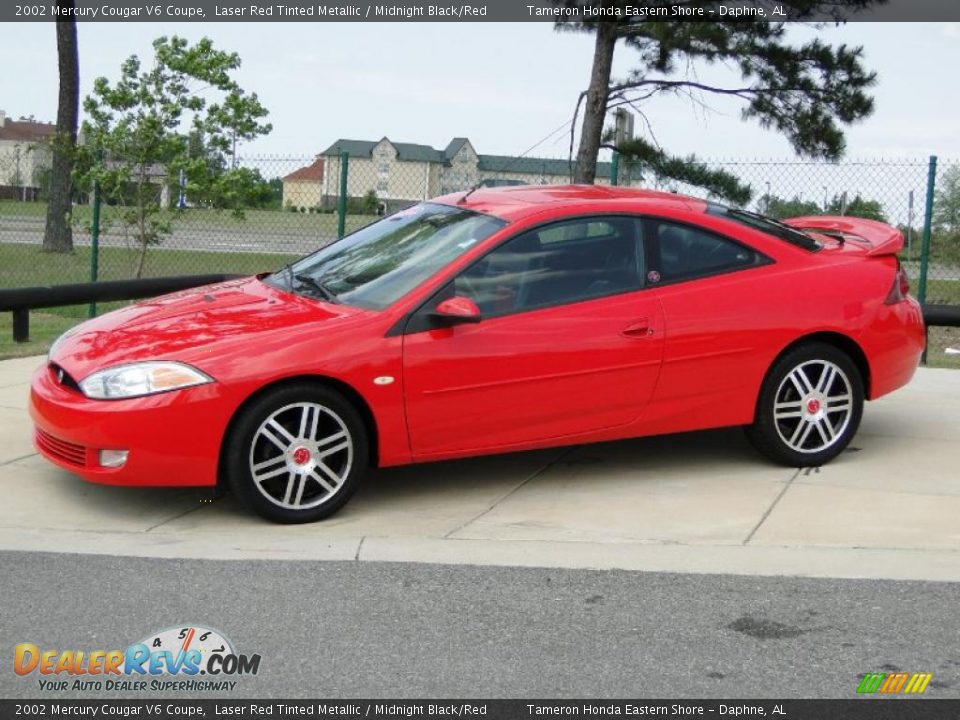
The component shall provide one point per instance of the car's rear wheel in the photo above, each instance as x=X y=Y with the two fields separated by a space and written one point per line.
x=810 y=406
x=297 y=453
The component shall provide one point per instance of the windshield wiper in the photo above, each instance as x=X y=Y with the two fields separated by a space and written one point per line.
x=288 y=270
x=325 y=292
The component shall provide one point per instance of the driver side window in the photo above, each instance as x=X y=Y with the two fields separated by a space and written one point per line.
x=558 y=264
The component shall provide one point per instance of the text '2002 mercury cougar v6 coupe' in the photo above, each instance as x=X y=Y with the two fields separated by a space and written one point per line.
x=484 y=322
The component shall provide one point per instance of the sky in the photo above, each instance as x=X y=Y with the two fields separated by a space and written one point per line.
x=509 y=87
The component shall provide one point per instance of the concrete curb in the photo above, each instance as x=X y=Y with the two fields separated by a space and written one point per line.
x=695 y=503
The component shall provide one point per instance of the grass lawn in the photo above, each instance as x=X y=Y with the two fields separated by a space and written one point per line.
x=938 y=339
x=27 y=265
x=45 y=327
x=323 y=224
x=940 y=292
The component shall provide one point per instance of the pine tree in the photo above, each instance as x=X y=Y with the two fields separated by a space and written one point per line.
x=807 y=91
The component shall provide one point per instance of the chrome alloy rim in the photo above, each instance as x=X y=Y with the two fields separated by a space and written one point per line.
x=301 y=456
x=813 y=406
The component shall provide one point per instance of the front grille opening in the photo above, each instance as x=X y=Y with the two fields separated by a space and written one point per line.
x=68 y=452
x=63 y=378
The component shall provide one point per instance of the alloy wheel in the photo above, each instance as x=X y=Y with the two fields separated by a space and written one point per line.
x=813 y=406
x=301 y=455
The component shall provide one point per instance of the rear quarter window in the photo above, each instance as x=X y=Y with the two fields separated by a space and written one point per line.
x=687 y=252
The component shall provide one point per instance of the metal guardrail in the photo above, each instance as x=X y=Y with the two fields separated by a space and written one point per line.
x=941 y=315
x=20 y=301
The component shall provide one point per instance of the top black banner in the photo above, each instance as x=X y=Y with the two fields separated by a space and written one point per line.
x=205 y=11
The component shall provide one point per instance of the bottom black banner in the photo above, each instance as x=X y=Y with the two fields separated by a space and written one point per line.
x=855 y=709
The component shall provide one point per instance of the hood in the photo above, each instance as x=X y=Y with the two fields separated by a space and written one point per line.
x=194 y=326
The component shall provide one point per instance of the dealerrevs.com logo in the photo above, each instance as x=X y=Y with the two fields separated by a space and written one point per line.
x=185 y=658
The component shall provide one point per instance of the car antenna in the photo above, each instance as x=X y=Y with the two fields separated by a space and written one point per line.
x=462 y=200
x=513 y=162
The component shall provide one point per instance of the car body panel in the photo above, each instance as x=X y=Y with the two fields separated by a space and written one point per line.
x=558 y=371
x=576 y=372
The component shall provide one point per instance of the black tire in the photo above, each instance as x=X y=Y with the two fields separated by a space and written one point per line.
x=280 y=471
x=828 y=431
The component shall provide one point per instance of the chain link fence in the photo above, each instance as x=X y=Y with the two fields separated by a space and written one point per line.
x=303 y=203
x=892 y=191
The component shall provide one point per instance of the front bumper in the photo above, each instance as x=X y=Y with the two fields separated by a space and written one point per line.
x=173 y=438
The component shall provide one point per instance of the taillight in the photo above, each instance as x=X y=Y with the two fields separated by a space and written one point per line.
x=901 y=286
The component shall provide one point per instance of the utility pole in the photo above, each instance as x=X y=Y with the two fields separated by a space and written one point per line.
x=909 y=222
x=16 y=154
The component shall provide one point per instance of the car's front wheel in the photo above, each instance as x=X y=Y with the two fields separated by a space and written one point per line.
x=809 y=407
x=297 y=453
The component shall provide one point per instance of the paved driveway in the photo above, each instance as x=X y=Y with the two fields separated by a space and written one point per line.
x=700 y=502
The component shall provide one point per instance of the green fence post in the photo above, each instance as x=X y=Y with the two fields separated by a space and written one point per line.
x=927 y=225
x=342 y=201
x=615 y=169
x=95 y=243
x=925 y=244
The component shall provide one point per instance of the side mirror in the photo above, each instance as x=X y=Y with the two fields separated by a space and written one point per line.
x=455 y=311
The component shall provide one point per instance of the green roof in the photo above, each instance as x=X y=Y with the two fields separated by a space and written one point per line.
x=356 y=148
x=405 y=151
x=418 y=153
x=454 y=147
x=487 y=163
x=532 y=165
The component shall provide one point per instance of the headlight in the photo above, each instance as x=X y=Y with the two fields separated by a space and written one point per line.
x=137 y=379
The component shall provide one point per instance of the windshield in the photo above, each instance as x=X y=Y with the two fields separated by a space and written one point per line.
x=766 y=225
x=379 y=264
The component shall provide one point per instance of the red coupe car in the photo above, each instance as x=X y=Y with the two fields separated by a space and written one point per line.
x=485 y=322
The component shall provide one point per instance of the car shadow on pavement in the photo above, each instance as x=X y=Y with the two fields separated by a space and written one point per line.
x=433 y=499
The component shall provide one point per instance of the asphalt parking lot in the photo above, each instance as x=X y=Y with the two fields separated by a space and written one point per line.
x=701 y=502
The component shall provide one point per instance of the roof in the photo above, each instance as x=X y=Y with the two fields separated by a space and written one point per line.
x=309 y=173
x=513 y=203
x=532 y=165
x=487 y=163
x=405 y=151
x=356 y=148
x=418 y=153
x=27 y=131
x=453 y=147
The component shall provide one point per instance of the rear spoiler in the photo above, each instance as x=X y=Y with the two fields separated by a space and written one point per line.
x=877 y=238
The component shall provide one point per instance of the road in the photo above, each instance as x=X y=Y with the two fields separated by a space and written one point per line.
x=362 y=629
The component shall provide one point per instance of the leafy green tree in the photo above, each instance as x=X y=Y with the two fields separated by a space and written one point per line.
x=135 y=139
x=370 y=203
x=805 y=91
x=946 y=206
x=857 y=207
x=779 y=208
x=276 y=193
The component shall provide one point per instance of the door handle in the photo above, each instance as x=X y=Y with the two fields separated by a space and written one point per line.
x=638 y=328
